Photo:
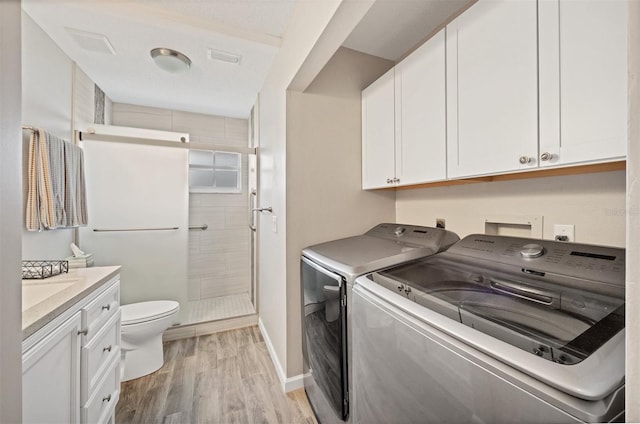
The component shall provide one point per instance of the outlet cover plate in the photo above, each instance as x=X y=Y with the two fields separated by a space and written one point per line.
x=564 y=232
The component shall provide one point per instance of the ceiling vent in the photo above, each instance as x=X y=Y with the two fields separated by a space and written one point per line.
x=91 y=41
x=214 y=54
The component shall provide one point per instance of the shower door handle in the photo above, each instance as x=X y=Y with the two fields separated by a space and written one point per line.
x=252 y=213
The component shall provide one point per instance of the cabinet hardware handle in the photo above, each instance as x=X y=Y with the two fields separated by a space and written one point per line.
x=525 y=160
x=107 y=349
x=107 y=398
x=396 y=180
x=83 y=332
x=546 y=156
x=389 y=181
x=106 y=307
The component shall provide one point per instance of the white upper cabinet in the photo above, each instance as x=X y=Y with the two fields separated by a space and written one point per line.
x=583 y=81
x=378 y=133
x=404 y=121
x=421 y=114
x=492 y=89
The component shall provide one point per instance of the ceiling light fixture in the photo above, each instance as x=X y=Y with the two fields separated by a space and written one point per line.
x=171 y=60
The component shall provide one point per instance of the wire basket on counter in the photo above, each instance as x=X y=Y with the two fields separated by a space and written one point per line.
x=37 y=270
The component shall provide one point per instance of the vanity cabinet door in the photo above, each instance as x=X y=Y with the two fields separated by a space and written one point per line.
x=583 y=81
x=492 y=89
x=51 y=376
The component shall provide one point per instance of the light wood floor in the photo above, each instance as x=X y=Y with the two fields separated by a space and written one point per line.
x=226 y=377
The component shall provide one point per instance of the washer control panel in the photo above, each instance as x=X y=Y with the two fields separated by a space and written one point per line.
x=537 y=257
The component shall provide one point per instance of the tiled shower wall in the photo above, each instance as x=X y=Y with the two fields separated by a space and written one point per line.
x=219 y=257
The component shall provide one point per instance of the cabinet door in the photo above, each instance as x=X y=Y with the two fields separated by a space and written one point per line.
x=378 y=133
x=421 y=114
x=583 y=80
x=51 y=376
x=492 y=88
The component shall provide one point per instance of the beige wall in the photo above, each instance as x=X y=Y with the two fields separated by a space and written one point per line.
x=633 y=221
x=324 y=196
x=10 y=215
x=47 y=77
x=219 y=256
x=594 y=203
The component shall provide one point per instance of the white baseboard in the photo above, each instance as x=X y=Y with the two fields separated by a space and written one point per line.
x=288 y=384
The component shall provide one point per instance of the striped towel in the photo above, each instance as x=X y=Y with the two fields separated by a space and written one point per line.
x=56 y=190
x=75 y=192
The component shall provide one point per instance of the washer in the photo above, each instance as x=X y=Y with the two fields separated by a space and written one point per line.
x=494 y=330
x=328 y=271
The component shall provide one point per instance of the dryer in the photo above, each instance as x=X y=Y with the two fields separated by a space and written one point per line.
x=328 y=271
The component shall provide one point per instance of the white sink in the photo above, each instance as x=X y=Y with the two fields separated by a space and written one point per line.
x=35 y=292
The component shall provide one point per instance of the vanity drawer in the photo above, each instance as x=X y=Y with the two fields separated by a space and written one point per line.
x=98 y=355
x=99 y=409
x=100 y=310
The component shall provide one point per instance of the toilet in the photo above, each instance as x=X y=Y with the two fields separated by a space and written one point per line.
x=142 y=325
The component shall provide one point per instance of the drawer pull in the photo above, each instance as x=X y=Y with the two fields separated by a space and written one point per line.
x=107 y=349
x=106 y=307
x=107 y=398
x=83 y=332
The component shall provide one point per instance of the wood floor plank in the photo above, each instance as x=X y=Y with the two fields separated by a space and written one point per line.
x=180 y=396
x=151 y=407
x=221 y=378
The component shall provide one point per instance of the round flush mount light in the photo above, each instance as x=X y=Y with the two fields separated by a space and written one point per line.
x=170 y=60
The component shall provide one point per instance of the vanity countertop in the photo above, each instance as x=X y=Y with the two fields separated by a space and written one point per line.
x=44 y=300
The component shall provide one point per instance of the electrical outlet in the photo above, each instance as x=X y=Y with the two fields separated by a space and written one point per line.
x=274 y=224
x=440 y=223
x=564 y=232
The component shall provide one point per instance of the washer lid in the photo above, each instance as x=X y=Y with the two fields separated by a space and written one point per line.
x=135 y=313
x=383 y=246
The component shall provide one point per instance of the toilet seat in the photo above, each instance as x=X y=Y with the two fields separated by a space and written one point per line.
x=137 y=313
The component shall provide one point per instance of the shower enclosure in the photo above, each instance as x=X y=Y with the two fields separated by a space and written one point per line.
x=175 y=217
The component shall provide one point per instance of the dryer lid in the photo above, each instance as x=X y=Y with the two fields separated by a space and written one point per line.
x=135 y=313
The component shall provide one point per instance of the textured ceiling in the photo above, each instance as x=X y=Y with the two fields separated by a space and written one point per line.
x=249 y=28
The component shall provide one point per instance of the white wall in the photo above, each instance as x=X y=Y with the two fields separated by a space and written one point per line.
x=633 y=221
x=10 y=214
x=324 y=196
x=307 y=22
x=594 y=203
x=47 y=78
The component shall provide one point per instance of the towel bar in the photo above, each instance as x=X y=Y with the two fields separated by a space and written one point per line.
x=104 y=230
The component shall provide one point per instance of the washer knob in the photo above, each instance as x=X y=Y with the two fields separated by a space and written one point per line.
x=399 y=231
x=531 y=251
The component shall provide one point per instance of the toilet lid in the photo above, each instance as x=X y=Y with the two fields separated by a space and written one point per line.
x=135 y=313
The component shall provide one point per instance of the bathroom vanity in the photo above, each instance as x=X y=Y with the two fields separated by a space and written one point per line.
x=71 y=347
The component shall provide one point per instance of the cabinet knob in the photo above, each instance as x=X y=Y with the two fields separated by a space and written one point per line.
x=389 y=180
x=396 y=180
x=546 y=156
x=525 y=160
x=106 y=307
x=107 y=349
x=107 y=398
